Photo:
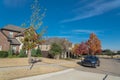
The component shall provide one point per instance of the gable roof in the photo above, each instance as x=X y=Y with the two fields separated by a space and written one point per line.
x=3 y=33
x=13 y=28
x=49 y=41
x=14 y=42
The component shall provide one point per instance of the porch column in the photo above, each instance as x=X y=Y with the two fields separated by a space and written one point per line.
x=65 y=55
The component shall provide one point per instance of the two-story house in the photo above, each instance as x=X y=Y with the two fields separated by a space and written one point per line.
x=10 y=37
x=67 y=53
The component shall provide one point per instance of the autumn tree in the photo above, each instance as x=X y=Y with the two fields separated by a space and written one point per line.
x=75 y=49
x=81 y=48
x=31 y=38
x=30 y=41
x=94 y=44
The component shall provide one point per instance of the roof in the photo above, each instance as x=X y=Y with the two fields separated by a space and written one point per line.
x=13 y=28
x=14 y=42
x=3 y=33
x=49 y=41
x=19 y=34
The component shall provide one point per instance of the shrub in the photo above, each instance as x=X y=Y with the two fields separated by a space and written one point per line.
x=38 y=52
x=118 y=52
x=33 y=53
x=22 y=53
x=3 y=54
x=10 y=53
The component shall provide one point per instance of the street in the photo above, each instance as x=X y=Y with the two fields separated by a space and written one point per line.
x=107 y=66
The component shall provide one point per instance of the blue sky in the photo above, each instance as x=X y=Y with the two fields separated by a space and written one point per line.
x=71 y=19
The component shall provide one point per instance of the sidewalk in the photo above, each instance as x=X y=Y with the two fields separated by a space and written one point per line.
x=71 y=74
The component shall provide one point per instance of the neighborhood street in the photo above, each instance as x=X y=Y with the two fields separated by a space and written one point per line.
x=107 y=66
x=109 y=70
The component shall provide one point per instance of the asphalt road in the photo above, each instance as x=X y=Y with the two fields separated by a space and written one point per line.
x=107 y=66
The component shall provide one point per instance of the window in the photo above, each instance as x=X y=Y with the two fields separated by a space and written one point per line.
x=0 y=48
x=11 y=34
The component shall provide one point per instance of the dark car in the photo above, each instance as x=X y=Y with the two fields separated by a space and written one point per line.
x=90 y=60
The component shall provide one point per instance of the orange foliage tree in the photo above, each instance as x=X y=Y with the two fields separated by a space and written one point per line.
x=94 y=44
x=75 y=49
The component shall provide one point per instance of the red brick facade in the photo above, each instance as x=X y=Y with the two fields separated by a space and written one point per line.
x=4 y=42
x=7 y=33
x=8 y=40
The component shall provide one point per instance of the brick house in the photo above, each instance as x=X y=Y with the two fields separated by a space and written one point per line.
x=10 y=37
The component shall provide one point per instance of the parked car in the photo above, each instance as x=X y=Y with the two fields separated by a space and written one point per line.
x=91 y=60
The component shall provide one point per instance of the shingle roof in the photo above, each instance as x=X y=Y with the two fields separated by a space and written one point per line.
x=54 y=40
x=14 y=42
x=19 y=34
x=14 y=28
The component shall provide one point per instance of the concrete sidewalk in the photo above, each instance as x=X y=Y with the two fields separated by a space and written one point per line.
x=71 y=74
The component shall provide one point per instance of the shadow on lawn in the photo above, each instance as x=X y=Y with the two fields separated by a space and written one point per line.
x=33 y=61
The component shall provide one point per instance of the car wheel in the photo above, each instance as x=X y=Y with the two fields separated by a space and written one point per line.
x=98 y=63
x=93 y=65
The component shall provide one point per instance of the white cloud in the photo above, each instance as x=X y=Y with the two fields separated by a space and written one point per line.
x=82 y=31
x=14 y=3
x=87 y=31
x=59 y=36
x=93 y=9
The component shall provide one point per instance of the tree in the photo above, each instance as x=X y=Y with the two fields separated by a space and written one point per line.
x=80 y=49
x=31 y=38
x=94 y=44
x=83 y=48
x=55 y=49
x=108 y=52
x=64 y=43
x=75 y=49
x=118 y=52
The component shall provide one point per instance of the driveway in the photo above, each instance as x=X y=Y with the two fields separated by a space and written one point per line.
x=107 y=66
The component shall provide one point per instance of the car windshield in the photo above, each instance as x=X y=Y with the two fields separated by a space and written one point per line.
x=90 y=58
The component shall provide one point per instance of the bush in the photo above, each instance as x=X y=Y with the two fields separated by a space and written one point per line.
x=118 y=52
x=38 y=52
x=22 y=53
x=3 y=54
x=10 y=53
x=33 y=53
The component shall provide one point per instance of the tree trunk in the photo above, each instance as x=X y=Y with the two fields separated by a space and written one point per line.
x=29 y=56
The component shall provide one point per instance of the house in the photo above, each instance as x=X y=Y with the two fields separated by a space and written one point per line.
x=10 y=38
x=67 y=53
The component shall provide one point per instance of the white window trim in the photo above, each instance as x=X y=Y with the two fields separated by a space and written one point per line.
x=10 y=34
x=0 y=47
